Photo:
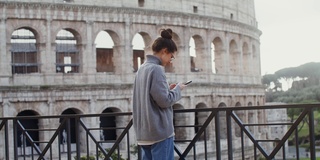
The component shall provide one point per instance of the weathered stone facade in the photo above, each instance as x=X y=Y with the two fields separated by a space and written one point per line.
x=228 y=25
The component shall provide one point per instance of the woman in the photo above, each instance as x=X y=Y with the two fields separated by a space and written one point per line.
x=153 y=99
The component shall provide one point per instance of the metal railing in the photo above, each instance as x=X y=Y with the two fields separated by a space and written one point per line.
x=219 y=133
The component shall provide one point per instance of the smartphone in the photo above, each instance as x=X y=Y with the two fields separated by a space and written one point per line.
x=188 y=82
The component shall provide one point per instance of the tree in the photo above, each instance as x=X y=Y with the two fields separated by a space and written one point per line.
x=270 y=79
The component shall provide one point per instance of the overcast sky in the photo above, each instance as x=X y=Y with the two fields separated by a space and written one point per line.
x=290 y=33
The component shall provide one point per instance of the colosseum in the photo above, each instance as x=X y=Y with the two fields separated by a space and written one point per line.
x=63 y=57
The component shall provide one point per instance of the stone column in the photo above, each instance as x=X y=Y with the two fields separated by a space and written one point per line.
x=48 y=58
x=52 y=123
x=121 y=64
x=89 y=54
x=191 y=119
x=3 y=109
x=5 y=55
x=205 y=63
x=220 y=61
x=183 y=59
x=91 y=122
x=236 y=67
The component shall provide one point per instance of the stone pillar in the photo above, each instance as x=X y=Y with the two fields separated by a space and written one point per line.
x=89 y=52
x=220 y=61
x=3 y=109
x=121 y=64
x=48 y=59
x=126 y=54
x=49 y=124
x=121 y=122
x=5 y=55
x=235 y=63
x=91 y=122
x=203 y=59
x=184 y=59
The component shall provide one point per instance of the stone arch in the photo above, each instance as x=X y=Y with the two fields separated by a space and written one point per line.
x=68 y=53
x=246 y=59
x=34 y=27
x=222 y=120
x=234 y=57
x=32 y=125
x=108 y=124
x=25 y=57
x=104 y=44
x=179 y=119
x=63 y=135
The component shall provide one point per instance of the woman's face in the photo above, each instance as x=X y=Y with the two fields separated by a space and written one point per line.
x=166 y=57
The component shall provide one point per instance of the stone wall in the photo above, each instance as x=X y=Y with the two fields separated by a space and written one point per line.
x=229 y=26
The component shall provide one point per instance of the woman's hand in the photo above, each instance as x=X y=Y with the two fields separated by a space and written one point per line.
x=181 y=85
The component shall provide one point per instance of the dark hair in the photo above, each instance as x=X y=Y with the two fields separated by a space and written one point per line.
x=165 y=41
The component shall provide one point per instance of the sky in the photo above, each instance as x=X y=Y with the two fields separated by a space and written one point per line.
x=290 y=33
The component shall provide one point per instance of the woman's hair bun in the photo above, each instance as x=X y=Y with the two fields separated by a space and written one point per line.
x=166 y=33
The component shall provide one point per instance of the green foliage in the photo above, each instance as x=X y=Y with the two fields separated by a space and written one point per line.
x=135 y=149
x=305 y=95
x=303 y=71
x=306 y=71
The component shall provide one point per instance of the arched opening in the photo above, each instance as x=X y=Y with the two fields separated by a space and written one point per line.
x=138 y=51
x=192 y=53
x=67 y=52
x=197 y=61
x=108 y=125
x=104 y=52
x=24 y=52
x=28 y=129
x=68 y=132
x=213 y=65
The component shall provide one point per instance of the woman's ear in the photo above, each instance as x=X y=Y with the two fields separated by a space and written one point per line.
x=165 y=50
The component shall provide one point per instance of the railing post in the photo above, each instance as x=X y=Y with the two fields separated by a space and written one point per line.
x=311 y=135
x=68 y=138
x=218 y=147
x=77 y=123
x=139 y=152
x=229 y=134
x=242 y=144
x=297 y=143
x=15 y=141
x=284 y=151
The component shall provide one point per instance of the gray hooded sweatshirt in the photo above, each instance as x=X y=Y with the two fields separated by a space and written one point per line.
x=152 y=102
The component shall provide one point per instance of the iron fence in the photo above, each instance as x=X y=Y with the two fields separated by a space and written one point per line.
x=207 y=133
